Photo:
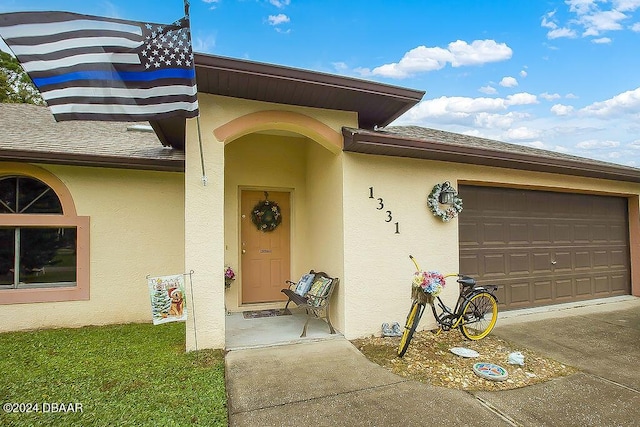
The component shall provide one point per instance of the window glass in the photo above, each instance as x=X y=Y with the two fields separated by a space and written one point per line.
x=34 y=256
x=27 y=195
x=7 y=249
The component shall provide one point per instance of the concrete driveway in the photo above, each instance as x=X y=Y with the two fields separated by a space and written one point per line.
x=331 y=383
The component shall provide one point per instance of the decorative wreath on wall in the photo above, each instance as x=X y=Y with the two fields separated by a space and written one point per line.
x=266 y=214
x=434 y=202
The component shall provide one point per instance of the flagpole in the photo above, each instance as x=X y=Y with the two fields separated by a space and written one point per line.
x=204 y=174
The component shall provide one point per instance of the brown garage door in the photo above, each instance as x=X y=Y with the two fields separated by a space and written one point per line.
x=543 y=247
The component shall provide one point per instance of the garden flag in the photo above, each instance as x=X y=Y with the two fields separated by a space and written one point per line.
x=96 y=68
x=167 y=299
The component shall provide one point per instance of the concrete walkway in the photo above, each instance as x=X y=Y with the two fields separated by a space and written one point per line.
x=330 y=383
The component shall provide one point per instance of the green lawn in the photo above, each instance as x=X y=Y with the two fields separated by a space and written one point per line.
x=122 y=375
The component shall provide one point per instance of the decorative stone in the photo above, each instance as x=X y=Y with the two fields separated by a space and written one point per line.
x=490 y=371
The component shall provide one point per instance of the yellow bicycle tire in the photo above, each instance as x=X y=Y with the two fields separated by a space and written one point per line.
x=413 y=318
x=476 y=323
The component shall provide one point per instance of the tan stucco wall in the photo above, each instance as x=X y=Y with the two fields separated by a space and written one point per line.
x=324 y=222
x=209 y=235
x=136 y=223
x=377 y=268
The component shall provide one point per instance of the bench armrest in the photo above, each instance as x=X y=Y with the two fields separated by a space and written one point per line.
x=292 y=285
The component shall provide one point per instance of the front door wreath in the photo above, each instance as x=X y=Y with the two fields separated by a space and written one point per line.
x=266 y=214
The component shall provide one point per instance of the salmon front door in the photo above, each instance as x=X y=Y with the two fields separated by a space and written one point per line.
x=265 y=254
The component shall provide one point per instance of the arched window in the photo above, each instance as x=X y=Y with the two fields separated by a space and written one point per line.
x=43 y=243
x=34 y=256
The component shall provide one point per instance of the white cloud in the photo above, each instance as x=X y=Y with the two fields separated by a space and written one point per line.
x=340 y=66
x=523 y=74
x=508 y=82
x=562 y=110
x=625 y=103
x=594 y=144
x=459 y=53
x=213 y=3
x=602 y=40
x=278 y=19
x=497 y=121
x=548 y=21
x=478 y=52
x=602 y=21
x=203 y=44
x=626 y=5
x=549 y=96
x=480 y=111
x=592 y=18
x=489 y=90
x=571 y=96
x=636 y=27
x=280 y=4
x=522 y=98
x=522 y=133
x=561 y=32
x=581 y=7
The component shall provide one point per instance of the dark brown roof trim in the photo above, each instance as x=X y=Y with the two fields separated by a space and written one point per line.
x=94 y=161
x=387 y=144
x=242 y=66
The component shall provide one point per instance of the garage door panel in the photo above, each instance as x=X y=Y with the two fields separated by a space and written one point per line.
x=542 y=247
x=601 y=284
x=494 y=265
x=618 y=258
x=600 y=233
x=494 y=233
x=619 y=284
x=617 y=233
x=519 y=292
x=542 y=291
x=518 y=263
x=469 y=265
x=540 y=233
x=562 y=233
x=581 y=233
x=518 y=233
x=583 y=260
x=600 y=258
x=564 y=290
x=469 y=232
x=541 y=262
x=583 y=286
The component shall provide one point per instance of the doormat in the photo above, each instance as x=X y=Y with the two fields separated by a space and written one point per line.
x=255 y=314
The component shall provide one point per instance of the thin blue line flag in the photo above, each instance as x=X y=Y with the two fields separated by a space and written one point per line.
x=96 y=68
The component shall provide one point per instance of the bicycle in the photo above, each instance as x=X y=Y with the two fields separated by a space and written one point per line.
x=475 y=313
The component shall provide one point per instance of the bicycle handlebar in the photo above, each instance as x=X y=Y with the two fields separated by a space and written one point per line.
x=445 y=275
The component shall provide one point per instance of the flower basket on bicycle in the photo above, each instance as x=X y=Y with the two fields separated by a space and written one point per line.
x=426 y=286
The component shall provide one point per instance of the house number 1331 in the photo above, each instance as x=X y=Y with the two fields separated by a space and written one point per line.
x=380 y=206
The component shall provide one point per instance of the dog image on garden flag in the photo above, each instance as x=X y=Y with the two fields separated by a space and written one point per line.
x=167 y=299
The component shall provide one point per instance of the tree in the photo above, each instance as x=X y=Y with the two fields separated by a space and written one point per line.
x=160 y=304
x=15 y=84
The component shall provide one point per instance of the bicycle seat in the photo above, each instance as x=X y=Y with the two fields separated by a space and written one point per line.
x=467 y=281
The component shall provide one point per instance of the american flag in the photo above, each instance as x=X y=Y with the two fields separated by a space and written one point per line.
x=96 y=68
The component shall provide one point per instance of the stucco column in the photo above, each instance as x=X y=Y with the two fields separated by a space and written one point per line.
x=204 y=238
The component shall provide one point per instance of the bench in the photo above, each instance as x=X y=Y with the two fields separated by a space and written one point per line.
x=316 y=297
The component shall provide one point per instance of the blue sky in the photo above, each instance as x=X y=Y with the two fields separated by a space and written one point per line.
x=562 y=75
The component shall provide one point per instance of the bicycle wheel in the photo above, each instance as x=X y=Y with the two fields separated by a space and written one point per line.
x=480 y=314
x=410 y=327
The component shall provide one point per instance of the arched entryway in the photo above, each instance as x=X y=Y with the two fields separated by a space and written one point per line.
x=294 y=160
